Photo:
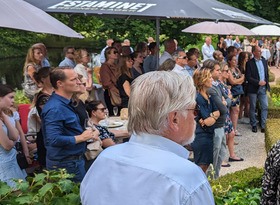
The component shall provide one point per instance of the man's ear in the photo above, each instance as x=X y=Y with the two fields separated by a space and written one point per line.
x=173 y=121
x=59 y=83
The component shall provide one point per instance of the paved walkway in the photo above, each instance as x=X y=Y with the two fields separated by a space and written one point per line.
x=251 y=145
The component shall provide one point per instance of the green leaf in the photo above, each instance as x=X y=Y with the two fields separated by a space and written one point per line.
x=4 y=189
x=47 y=187
x=73 y=198
x=66 y=185
x=24 y=199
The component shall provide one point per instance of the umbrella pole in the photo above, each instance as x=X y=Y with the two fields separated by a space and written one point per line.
x=157 y=38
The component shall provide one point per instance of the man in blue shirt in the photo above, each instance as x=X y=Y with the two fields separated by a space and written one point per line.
x=69 y=57
x=64 y=136
x=257 y=77
x=153 y=167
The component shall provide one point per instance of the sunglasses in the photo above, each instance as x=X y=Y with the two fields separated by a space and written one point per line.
x=71 y=53
x=115 y=52
x=226 y=71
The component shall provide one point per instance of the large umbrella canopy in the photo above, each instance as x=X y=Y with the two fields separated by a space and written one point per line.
x=191 y=9
x=222 y=28
x=267 y=30
x=19 y=14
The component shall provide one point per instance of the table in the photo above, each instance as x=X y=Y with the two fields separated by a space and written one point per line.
x=120 y=133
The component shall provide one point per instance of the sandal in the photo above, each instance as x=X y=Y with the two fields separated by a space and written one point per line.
x=237 y=133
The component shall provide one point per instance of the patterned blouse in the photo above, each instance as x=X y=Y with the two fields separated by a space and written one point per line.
x=271 y=178
x=104 y=133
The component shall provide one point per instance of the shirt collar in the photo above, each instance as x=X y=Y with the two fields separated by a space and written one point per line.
x=159 y=142
x=215 y=83
x=62 y=99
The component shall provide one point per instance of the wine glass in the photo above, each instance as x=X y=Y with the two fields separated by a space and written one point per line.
x=115 y=111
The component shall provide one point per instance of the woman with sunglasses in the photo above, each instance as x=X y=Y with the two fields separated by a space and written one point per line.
x=97 y=112
x=125 y=79
x=207 y=116
x=9 y=168
x=229 y=131
x=108 y=76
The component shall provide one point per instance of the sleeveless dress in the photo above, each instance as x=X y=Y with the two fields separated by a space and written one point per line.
x=9 y=168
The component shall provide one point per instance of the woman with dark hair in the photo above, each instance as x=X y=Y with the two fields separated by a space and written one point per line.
x=42 y=78
x=235 y=79
x=125 y=79
x=9 y=168
x=137 y=68
x=207 y=116
x=108 y=76
x=97 y=112
x=244 y=99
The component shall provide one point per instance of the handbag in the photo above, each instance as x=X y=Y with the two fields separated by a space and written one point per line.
x=115 y=97
x=21 y=159
x=93 y=149
x=237 y=90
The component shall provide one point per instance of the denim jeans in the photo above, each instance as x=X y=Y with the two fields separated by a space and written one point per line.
x=219 y=150
x=75 y=167
x=262 y=98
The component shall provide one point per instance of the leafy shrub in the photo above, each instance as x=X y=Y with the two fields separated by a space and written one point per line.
x=48 y=188
x=20 y=98
x=271 y=77
x=241 y=187
x=271 y=133
x=277 y=81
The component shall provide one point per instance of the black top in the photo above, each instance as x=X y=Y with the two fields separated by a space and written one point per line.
x=135 y=73
x=124 y=97
x=80 y=109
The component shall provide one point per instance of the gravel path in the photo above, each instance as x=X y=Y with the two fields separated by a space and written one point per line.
x=251 y=145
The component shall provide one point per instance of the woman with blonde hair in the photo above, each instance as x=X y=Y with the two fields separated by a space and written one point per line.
x=207 y=115
x=32 y=64
x=82 y=59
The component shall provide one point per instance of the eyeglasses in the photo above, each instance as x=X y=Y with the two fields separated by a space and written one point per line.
x=102 y=109
x=195 y=110
x=183 y=57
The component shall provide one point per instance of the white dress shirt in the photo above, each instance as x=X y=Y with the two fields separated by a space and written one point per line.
x=164 y=57
x=149 y=169
x=207 y=52
x=180 y=70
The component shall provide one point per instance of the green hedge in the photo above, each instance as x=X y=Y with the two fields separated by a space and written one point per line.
x=241 y=187
x=273 y=110
x=271 y=133
x=271 y=77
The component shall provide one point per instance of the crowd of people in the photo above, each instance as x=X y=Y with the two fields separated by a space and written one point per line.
x=184 y=102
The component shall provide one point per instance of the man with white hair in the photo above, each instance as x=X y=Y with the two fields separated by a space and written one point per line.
x=207 y=49
x=181 y=60
x=153 y=167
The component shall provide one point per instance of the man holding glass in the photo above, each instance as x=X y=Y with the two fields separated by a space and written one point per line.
x=64 y=136
x=153 y=167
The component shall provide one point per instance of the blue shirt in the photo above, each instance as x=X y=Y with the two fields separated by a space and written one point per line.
x=207 y=52
x=67 y=62
x=60 y=125
x=260 y=67
x=149 y=169
x=190 y=70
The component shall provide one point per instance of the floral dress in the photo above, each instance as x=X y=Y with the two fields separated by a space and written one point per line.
x=228 y=123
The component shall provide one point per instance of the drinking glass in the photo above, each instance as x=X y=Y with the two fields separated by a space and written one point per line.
x=115 y=111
